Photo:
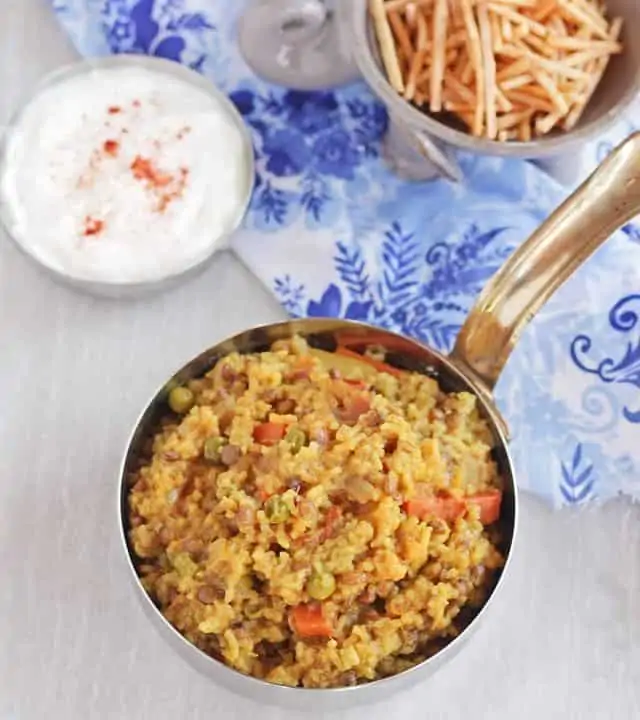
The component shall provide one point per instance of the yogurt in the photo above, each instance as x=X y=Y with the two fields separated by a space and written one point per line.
x=125 y=174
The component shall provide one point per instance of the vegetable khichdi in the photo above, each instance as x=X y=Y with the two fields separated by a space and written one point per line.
x=317 y=519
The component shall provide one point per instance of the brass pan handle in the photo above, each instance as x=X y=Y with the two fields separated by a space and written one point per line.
x=609 y=198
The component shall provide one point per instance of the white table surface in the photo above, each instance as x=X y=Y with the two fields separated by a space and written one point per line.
x=564 y=638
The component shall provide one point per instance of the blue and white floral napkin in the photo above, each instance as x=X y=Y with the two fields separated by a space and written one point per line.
x=332 y=232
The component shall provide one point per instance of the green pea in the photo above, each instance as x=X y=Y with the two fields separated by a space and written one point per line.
x=297 y=438
x=276 y=510
x=321 y=585
x=181 y=400
x=212 y=448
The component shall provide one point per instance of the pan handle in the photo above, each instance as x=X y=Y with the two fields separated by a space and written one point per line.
x=601 y=205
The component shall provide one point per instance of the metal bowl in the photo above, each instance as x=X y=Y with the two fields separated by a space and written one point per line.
x=608 y=199
x=127 y=290
x=436 y=138
x=324 y=334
